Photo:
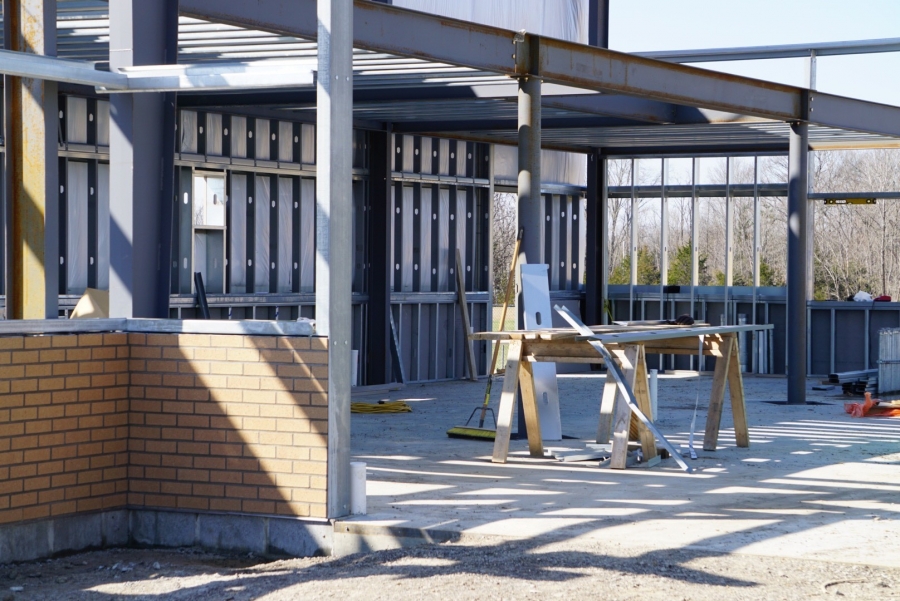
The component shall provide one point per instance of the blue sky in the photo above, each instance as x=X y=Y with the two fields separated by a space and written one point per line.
x=647 y=25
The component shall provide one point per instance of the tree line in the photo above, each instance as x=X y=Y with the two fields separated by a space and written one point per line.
x=857 y=247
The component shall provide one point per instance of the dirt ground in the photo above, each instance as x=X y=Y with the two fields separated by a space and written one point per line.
x=480 y=568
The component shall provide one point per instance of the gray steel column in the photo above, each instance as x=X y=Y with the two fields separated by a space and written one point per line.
x=632 y=244
x=32 y=168
x=530 y=207
x=596 y=239
x=663 y=239
x=141 y=194
x=811 y=233
x=729 y=242
x=798 y=170
x=380 y=240
x=334 y=245
x=598 y=23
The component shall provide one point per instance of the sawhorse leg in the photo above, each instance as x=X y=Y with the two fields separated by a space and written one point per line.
x=518 y=373
x=727 y=373
x=633 y=360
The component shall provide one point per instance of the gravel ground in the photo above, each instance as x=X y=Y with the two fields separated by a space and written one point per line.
x=479 y=568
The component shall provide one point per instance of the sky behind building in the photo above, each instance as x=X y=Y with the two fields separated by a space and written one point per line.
x=651 y=25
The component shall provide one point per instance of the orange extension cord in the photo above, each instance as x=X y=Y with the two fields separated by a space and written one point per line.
x=871 y=408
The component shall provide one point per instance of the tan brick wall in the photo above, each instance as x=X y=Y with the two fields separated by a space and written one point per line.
x=229 y=423
x=63 y=424
x=200 y=422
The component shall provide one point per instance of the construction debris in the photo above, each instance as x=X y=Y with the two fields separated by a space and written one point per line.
x=873 y=408
x=855 y=383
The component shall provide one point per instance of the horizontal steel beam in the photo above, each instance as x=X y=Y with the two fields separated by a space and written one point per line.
x=464 y=125
x=735 y=190
x=25 y=64
x=162 y=78
x=386 y=28
x=221 y=76
x=748 y=53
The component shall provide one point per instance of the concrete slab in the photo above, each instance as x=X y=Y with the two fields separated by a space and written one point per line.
x=814 y=484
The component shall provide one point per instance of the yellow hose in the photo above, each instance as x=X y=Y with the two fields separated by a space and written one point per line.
x=380 y=407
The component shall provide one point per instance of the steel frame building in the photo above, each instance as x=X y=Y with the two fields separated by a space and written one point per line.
x=357 y=164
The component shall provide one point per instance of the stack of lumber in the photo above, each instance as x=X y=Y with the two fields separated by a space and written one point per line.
x=856 y=382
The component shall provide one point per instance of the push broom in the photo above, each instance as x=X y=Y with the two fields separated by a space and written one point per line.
x=482 y=433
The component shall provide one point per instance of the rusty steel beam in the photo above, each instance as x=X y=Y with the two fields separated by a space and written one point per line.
x=32 y=167
x=386 y=28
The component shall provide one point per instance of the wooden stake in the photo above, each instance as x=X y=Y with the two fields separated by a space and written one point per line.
x=461 y=293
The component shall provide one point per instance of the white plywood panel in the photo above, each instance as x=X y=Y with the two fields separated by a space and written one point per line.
x=537 y=313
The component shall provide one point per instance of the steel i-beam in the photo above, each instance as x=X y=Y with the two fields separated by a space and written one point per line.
x=32 y=168
x=798 y=166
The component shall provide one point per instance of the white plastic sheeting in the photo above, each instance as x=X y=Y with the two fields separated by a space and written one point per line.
x=189 y=131
x=307 y=235
x=406 y=261
x=76 y=120
x=237 y=262
x=428 y=219
x=262 y=139
x=308 y=152
x=562 y=19
x=556 y=167
x=77 y=227
x=444 y=240
x=102 y=122
x=427 y=155
x=103 y=223
x=284 y=262
x=214 y=134
x=285 y=141
x=238 y=135
x=262 y=262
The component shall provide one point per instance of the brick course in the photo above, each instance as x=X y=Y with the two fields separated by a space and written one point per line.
x=200 y=422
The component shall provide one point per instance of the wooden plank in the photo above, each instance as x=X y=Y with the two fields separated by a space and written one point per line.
x=461 y=293
x=607 y=408
x=563 y=359
x=717 y=397
x=507 y=402
x=530 y=408
x=560 y=348
x=622 y=420
x=736 y=390
x=641 y=391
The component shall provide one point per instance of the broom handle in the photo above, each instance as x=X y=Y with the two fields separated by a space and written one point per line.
x=509 y=287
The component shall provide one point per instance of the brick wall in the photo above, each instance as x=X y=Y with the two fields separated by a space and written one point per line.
x=198 y=422
x=63 y=424
x=229 y=423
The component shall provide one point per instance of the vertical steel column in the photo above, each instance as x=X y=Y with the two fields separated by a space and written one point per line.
x=141 y=187
x=811 y=234
x=598 y=23
x=604 y=239
x=798 y=171
x=530 y=210
x=334 y=245
x=596 y=239
x=695 y=246
x=32 y=168
x=379 y=241
x=663 y=240
x=632 y=244
x=729 y=241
